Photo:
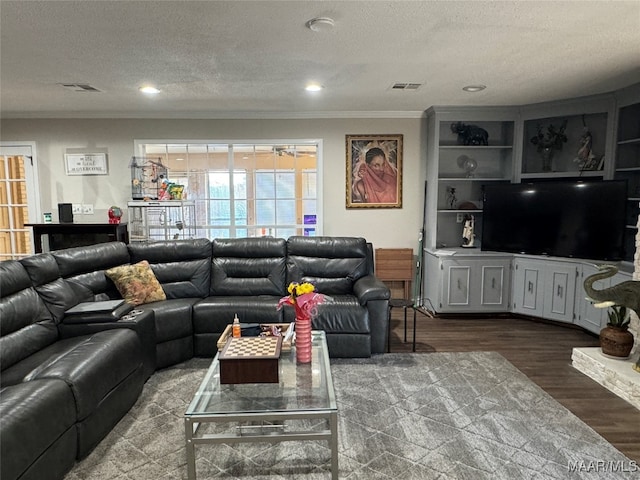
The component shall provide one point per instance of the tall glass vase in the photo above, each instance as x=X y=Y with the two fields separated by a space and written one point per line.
x=303 y=337
x=547 y=159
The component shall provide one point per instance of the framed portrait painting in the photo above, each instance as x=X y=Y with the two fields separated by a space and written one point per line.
x=374 y=171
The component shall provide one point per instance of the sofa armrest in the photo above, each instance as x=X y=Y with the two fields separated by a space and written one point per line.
x=369 y=288
x=143 y=324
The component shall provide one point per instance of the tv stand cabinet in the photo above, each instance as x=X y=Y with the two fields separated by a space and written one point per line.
x=473 y=281
x=462 y=280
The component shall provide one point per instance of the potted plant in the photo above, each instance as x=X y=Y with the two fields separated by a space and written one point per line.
x=615 y=338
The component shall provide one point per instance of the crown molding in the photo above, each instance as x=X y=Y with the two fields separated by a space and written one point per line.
x=213 y=115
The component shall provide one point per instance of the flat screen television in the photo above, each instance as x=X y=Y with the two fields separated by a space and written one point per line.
x=564 y=219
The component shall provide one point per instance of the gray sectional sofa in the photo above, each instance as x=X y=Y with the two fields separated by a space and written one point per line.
x=66 y=381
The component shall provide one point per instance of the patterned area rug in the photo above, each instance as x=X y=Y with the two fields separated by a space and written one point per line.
x=443 y=416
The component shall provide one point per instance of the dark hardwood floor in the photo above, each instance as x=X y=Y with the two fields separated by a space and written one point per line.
x=542 y=351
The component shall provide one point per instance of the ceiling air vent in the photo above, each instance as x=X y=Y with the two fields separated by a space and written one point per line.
x=79 y=87
x=406 y=86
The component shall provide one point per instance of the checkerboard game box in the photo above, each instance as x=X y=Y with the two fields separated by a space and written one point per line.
x=250 y=360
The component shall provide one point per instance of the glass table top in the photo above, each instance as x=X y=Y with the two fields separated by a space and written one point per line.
x=302 y=387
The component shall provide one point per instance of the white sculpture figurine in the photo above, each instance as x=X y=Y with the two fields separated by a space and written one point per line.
x=468 y=237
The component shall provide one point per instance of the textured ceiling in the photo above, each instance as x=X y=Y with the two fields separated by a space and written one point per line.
x=252 y=58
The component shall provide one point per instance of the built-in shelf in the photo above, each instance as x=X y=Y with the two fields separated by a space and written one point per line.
x=473 y=179
x=475 y=147
x=627 y=168
x=449 y=210
x=573 y=175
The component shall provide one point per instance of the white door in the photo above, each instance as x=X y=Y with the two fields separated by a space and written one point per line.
x=19 y=200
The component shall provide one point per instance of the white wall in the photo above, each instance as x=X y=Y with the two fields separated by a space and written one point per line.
x=384 y=227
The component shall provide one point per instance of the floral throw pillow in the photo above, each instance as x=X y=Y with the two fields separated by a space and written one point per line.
x=137 y=283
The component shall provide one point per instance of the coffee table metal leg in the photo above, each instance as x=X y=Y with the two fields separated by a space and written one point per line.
x=333 y=425
x=191 y=451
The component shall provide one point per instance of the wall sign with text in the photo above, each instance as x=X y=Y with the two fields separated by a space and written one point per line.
x=86 y=163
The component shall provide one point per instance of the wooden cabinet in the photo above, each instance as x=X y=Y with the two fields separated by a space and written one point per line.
x=467 y=283
x=67 y=235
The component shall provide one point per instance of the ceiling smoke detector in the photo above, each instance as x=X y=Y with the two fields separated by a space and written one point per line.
x=321 y=24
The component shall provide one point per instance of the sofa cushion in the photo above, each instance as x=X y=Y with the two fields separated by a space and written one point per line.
x=183 y=267
x=213 y=314
x=172 y=318
x=91 y=365
x=248 y=267
x=83 y=268
x=137 y=283
x=58 y=295
x=332 y=264
x=26 y=325
x=37 y=417
x=342 y=314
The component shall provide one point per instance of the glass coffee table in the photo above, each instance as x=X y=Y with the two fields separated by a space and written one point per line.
x=267 y=412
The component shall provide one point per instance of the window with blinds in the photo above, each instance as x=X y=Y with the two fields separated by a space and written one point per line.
x=245 y=189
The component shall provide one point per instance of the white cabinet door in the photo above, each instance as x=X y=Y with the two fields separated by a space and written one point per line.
x=457 y=280
x=495 y=285
x=527 y=287
x=559 y=291
x=544 y=288
x=475 y=285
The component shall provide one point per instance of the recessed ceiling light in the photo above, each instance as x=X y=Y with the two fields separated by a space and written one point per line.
x=149 y=89
x=321 y=24
x=474 y=88
x=313 y=87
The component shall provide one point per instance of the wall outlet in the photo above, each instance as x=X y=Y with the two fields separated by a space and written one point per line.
x=76 y=208
x=87 y=209
x=459 y=217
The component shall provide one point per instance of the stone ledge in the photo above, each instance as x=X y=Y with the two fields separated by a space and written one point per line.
x=617 y=376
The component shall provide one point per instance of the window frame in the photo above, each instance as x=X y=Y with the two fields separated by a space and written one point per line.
x=251 y=228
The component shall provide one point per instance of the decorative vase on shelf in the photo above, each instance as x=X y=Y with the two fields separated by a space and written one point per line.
x=547 y=159
x=547 y=142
